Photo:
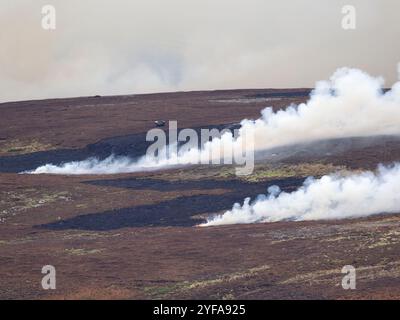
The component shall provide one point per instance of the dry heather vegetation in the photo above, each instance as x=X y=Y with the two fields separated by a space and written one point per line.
x=16 y=202
x=262 y=172
x=135 y=235
x=16 y=146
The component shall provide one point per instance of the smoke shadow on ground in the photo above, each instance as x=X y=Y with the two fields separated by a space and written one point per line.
x=176 y=212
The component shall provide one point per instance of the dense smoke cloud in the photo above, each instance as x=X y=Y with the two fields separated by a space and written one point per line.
x=351 y=104
x=330 y=197
x=124 y=47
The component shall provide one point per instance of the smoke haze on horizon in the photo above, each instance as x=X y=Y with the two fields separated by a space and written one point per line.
x=121 y=47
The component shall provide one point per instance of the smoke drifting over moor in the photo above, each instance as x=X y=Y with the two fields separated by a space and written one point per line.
x=330 y=197
x=350 y=104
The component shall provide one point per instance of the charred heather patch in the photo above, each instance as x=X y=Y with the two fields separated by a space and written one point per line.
x=182 y=211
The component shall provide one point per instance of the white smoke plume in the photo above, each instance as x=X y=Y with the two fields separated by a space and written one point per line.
x=330 y=197
x=214 y=151
x=110 y=165
x=350 y=104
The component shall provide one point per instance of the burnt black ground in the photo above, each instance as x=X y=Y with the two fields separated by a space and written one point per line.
x=178 y=212
x=133 y=145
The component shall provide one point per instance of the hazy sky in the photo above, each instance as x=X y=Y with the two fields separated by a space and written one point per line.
x=136 y=46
